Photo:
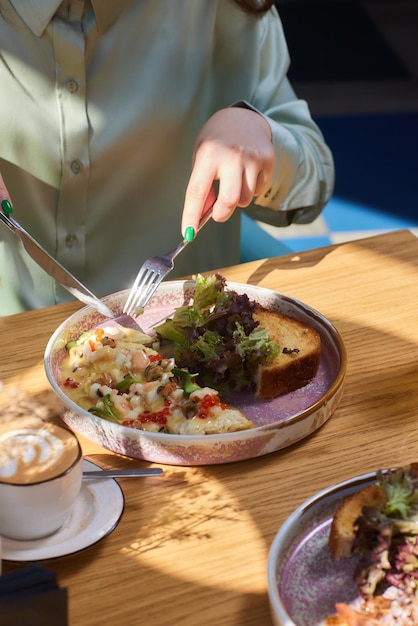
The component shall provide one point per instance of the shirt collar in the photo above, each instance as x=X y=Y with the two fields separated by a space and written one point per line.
x=37 y=15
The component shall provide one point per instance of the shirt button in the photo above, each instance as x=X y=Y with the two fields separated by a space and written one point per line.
x=72 y=85
x=71 y=240
x=76 y=167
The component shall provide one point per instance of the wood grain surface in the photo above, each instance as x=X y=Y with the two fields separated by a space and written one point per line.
x=192 y=546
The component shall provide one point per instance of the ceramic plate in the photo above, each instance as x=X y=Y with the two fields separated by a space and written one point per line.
x=95 y=514
x=304 y=581
x=278 y=423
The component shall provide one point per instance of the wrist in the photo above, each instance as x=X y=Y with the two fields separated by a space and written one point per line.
x=243 y=104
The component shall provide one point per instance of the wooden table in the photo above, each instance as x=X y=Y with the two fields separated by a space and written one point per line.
x=192 y=546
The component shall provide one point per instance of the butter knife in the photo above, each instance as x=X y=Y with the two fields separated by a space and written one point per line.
x=50 y=265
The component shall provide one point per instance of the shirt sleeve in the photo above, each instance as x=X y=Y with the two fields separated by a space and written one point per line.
x=303 y=178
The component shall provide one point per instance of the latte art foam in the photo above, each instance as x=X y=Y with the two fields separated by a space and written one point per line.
x=33 y=451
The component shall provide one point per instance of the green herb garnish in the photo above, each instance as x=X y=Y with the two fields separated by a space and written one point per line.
x=187 y=379
x=106 y=412
x=402 y=494
x=126 y=382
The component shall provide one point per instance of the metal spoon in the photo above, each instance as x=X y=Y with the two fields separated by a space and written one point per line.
x=123 y=473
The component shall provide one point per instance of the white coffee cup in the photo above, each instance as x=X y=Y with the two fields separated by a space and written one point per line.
x=41 y=469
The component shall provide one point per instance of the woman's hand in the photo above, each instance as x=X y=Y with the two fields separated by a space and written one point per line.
x=234 y=147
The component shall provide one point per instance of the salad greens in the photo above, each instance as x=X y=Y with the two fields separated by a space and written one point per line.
x=216 y=337
x=402 y=494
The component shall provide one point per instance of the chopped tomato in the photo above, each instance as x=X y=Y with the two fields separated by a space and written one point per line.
x=70 y=382
x=155 y=357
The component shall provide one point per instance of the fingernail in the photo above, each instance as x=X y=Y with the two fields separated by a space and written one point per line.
x=189 y=234
x=6 y=206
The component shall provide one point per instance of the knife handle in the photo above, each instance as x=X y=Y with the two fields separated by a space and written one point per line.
x=8 y=222
x=11 y=224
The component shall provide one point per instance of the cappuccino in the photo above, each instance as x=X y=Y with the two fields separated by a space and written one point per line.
x=41 y=467
x=33 y=451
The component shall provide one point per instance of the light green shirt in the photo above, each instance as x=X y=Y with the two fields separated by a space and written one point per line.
x=100 y=108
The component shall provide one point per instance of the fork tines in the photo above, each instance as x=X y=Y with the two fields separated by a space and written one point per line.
x=143 y=288
x=153 y=271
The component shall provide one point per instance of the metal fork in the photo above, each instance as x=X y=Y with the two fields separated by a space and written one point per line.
x=152 y=272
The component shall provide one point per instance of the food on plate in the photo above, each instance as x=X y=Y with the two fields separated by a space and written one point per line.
x=234 y=344
x=170 y=382
x=116 y=373
x=379 y=524
x=297 y=361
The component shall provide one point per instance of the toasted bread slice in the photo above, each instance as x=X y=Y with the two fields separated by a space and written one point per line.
x=343 y=524
x=300 y=354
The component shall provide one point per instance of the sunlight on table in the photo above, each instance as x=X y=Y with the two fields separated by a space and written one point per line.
x=178 y=524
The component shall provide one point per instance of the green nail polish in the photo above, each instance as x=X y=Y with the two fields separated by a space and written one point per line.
x=189 y=234
x=6 y=206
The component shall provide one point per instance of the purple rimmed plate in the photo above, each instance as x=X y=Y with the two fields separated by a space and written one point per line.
x=278 y=423
x=304 y=582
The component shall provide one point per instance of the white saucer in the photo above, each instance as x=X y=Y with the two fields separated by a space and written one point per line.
x=96 y=513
